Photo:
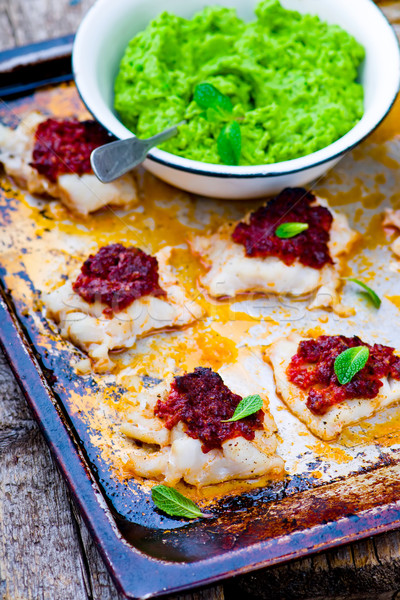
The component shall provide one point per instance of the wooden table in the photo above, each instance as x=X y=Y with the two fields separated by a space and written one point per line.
x=45 y=550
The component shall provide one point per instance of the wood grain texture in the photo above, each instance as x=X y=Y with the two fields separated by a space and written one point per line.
x=6 y=37
x=28 y=21
x=46 y=552
x=365 y=570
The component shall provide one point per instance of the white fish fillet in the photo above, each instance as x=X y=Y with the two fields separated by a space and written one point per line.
x=83 y=194
x=172 y=455
x=88 y=328
x=331 y=424
x=231 y=272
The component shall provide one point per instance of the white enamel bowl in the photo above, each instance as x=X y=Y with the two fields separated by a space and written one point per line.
x=108 y=26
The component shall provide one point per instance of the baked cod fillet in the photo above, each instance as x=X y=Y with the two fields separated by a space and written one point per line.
x=98 y=330
x=336 y=417
x=170 y=452
x=82 y=194
x=231 y=271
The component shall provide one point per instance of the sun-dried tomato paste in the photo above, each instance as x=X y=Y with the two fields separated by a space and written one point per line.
x=202 y=401
x=292 y=205
x=312 y=368
x=117 y=276
x=65 y=146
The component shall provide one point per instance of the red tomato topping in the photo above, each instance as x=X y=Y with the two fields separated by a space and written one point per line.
x=292 y=205
x=65 y=146
x=201 y=401
x=117 y=276
x=312 y=368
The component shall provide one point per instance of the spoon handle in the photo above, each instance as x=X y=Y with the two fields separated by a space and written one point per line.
x=117 y=158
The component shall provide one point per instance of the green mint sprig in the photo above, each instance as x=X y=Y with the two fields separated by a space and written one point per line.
x=350 y=362
x=229 y=141
x=289 y=230
x=373 y=296
x=207 y=96
x=246 y=407
x=172 y=502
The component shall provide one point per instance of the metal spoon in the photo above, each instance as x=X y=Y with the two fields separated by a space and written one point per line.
x=117 y=158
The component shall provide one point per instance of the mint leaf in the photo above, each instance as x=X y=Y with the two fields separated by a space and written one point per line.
x=174 y=503
x=289 y=230
x=350 y=362
x=230 y=143
x=215 y=104
x=373 y=296
x=207 y=96
x=246 y=407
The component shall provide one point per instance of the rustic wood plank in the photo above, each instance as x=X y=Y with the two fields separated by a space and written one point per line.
x=214 y=593
x=97 y=579
x=365 y=570
x=7 y=37
x=37 y=20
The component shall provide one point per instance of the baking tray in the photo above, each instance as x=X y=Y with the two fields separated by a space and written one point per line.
x=148 y=553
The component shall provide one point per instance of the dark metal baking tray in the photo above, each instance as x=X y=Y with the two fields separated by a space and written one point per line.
x=147 y=553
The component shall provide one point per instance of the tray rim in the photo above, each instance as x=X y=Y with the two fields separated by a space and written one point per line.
x=116 y=552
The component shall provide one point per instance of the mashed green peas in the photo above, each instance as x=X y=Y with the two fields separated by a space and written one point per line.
x=290 y=77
